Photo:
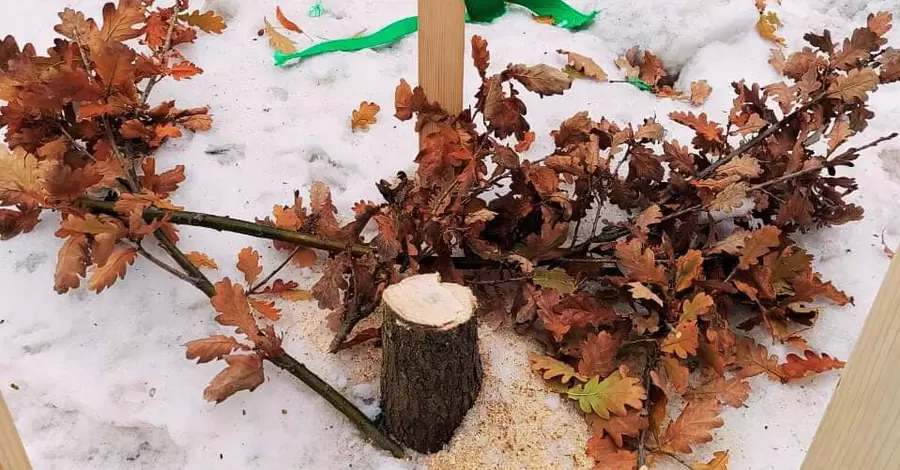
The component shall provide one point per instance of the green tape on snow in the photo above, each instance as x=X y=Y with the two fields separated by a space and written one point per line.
x=387 y=35
x=316 y=10
x=639 y=84
x=478 y=11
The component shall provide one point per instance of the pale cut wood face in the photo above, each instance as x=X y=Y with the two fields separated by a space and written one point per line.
x=425 y=300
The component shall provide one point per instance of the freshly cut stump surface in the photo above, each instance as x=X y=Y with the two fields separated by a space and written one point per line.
x=431 y=374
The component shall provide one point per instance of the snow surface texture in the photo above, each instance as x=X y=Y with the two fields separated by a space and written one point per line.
x=102 y=381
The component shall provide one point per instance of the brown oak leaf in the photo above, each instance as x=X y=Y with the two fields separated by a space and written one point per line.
x=797 y=367
x=598 y=355
x=683 y=341
x=244 y=372
x=693 y=426
x=212 y=348
x=248 y=263
x=114 y=268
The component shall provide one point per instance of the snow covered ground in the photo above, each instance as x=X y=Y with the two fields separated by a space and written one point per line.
x=102 y=382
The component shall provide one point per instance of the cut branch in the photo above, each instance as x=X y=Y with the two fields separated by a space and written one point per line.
x=227 y=224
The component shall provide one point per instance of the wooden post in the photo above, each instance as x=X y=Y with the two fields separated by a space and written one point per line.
x=442 y=30
x=861 y=427
x=431 y=373
x=12 y=452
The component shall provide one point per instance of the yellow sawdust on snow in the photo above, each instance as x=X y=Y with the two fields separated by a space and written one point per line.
x=511 y=426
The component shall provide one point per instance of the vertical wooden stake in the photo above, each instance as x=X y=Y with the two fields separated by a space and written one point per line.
x=12 y=453
x=861 y=427
x=442 y=29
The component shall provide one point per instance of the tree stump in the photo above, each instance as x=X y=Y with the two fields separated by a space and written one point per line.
x=431 y=374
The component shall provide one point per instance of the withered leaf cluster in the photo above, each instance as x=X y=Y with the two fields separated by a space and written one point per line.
x=659 y=303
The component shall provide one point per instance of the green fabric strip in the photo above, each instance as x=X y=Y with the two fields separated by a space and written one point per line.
x=478 y=11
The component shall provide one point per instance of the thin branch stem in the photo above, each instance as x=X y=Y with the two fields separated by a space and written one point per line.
x=275 y=271
x=790 y=176
x=285 y=361
x=166 y=267
x=369 y=428
x=76 y=143
x=168 y=45
x=494 y=282
x=759 y=137
x=199 y=219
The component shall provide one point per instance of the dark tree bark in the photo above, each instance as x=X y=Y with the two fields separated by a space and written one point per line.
x=431 y=374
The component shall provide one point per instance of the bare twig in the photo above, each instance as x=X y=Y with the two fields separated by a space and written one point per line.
x=77 y=144
x=762 y=136
x=228 y=224
x=168 y=45
x=790 y=176
x=285 y=361
x=166 y=267
x=494 y=282
x=276 y=270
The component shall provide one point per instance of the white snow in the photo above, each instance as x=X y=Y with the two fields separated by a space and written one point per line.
x=102 y=380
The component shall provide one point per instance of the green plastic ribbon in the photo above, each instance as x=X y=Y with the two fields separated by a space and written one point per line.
x=477 y=11
x=639 y=84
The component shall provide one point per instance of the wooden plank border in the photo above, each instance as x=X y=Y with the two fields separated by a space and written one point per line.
x=861 y=427
x=12 y=452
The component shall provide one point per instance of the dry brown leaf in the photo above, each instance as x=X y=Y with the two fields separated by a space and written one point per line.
x=209 y=22
x=525 y=143
x=797 y=367
x=730 y=198
x=743 y=166
x=627 y=67
x=212 y=348
x=244 y=372
x=266 y=309
x=652 y=69
x=640 y=291
x=114 y=268
x=71 y=263
x=553 y=368
x=693 y=426
x=683 y=341
x=777 y=60
x=700 y=91
x=288 y=24
x=363 y=117
x=757 y=244
x=403 y=97
x=248 y=263
x=598 y=355
x=672 y=374
x=480 y=55
x=278 y=41
x=696 y=306
x=768 y=25
x=718 y=462
x=608 y=456
x=234 y=310
x=687 y=269
x=638 y=263
x=733 y=392
x=611 y=395
x=754 y=359
x=201 y=260
x=584 y=65
x=650 y=130
x=541 y=79
x=648 y=324
x=839 y=134
x=617 y=426
x=855 y=85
